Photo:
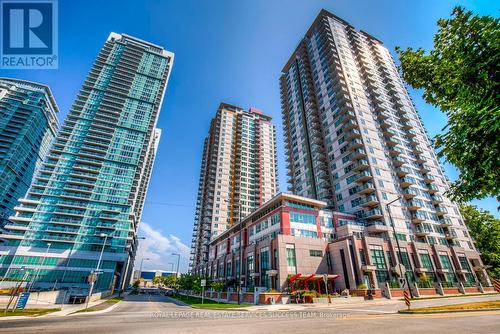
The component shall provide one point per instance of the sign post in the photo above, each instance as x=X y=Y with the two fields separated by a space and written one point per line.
x=203 y=284
x=23 y=300
x=407 y=298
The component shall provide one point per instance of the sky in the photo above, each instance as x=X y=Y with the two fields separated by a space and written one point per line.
x=225 y=51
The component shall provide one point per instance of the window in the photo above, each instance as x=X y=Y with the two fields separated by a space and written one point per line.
x=290 y=255
x=315 y=253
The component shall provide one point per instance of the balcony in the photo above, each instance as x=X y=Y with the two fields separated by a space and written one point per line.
x=388 y=132
x=367 y=188
x=377 y=226
x=428 y=178
x=364 y=176
x=445 y=222
x=402 y=171
x=418 y=217
x=358 y=153
x=409 y=193
x=436 y=199
x=374 y=213
x=361 y=165
x=398 y=160
x=406 y=181
x=370 y=200
x=422 y=230
x=432 y=188
x=354 y=133
x=395 y=151
x=450 y=234
x=424 y=168
x=441 y=210
x=354 y=144
x=414 y=204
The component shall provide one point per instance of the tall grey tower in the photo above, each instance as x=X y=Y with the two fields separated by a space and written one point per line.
x=355 y=140
x=238 y=173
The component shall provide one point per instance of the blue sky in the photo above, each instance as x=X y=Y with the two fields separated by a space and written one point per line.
x=226 y=50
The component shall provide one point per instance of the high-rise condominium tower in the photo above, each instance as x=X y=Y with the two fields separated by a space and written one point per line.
x=89 y=193
x=28 y=124
x=355 y=140
x=238 y=173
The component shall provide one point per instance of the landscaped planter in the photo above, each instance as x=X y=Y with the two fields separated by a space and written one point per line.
x=427 y=291
x=471 y=289
x=395 y=293
x=451 y=291
x=248 y=297
x=266 y=297
x=377 y=293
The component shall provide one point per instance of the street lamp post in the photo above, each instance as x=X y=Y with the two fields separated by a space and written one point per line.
x=38 y=269
x=400 y=254
x=93 y=278
x=241 y=253
x=178 y=262
x=140 y=268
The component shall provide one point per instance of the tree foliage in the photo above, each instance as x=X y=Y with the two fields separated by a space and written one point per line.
x=461 y=77
x=485 y=230
x=190 y=282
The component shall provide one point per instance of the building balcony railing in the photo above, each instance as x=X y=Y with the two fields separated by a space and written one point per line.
x=364 y=176
x=436 y=199
x=445 y=222
x=376 y=226
x=374 y=213
x=407 y=181
x=360 y=165
x=410 y=193
x=403 y=171
x=367 y=188
x=370 y=200
x=418 y=217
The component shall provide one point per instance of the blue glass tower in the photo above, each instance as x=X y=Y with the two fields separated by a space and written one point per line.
x=28 y=124
x=88 y=196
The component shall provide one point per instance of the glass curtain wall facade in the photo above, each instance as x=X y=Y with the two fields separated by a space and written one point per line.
x=89 y=194
x=28 y=124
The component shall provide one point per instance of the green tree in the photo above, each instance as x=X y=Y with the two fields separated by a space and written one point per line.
x=461 y=77
x=485 y=230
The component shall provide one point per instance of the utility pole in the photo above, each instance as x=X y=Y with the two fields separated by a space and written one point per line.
x=38 y=269
x=178 y=262
x=93 y=274
x=400 y=255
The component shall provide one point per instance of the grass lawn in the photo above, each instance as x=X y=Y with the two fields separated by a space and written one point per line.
x=102 y=306
x=30 y=312
x=457 y=307
x=207 y=303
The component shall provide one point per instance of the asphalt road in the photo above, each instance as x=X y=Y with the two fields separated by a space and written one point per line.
x=158 y=314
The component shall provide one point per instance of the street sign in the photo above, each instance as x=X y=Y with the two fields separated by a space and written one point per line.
x=203 y=282
x=400 y=269
x=23 y=300
x=406 y=294
x=496 y=285
x=92 y=278
x=402 y=282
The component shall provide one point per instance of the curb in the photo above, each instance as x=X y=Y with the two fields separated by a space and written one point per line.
x=449 y=311
x=108 y=309
x=205 y=308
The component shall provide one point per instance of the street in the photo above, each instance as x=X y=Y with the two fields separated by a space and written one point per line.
x=159 y=314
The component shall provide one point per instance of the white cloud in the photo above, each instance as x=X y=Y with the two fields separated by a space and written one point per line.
x=159 y=248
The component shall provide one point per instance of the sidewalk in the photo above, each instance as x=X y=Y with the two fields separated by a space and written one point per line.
x=66 y=309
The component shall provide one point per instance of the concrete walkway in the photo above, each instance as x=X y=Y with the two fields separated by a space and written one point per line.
x=66 y=309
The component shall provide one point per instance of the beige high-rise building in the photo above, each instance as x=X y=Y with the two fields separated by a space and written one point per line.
x=238 y=173
x=355 y=140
